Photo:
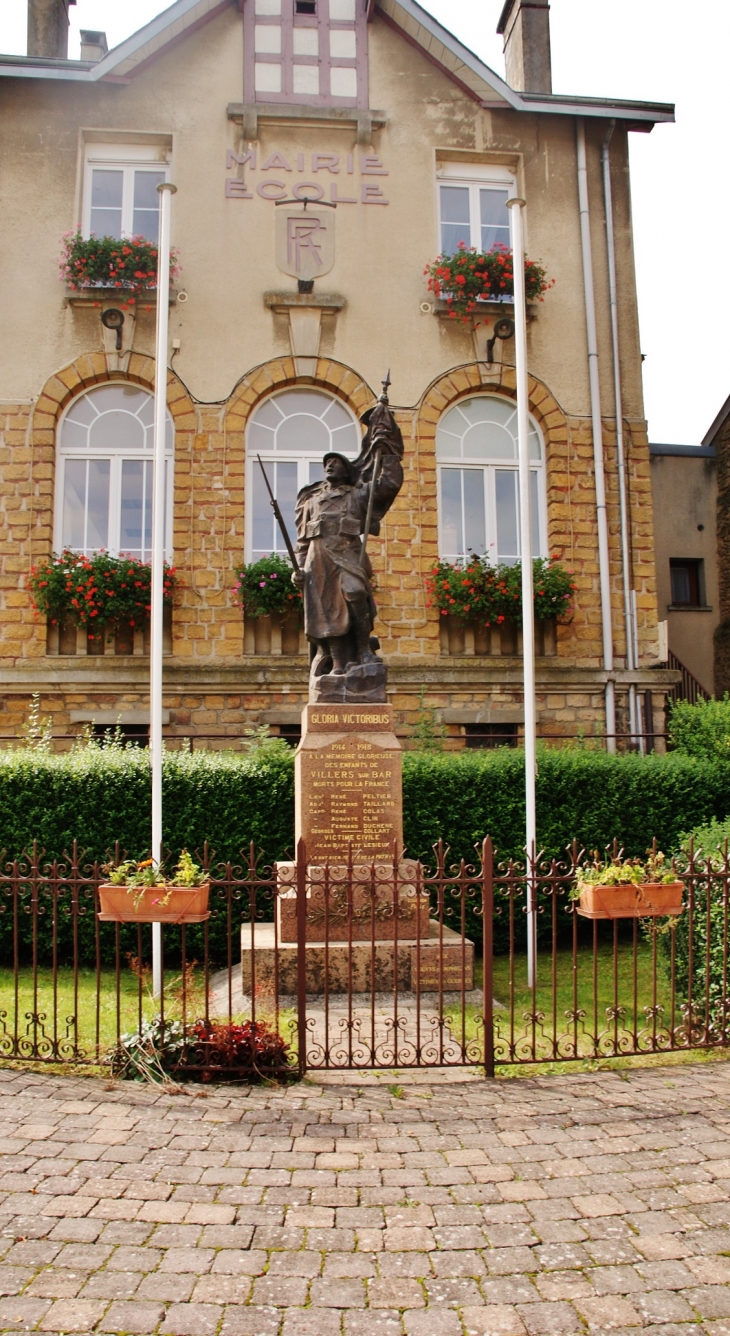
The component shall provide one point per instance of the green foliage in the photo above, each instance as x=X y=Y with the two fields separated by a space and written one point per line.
x=702 y=729
x=707 y=927
x=428 y=734
x=264 y=588
x=107 y=262
x=96 y=591
x=479 y=592
x=469 y=276
x=101 y=795
x=654 y=870
x=38 y=731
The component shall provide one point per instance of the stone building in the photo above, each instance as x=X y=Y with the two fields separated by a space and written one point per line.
x=377 y=109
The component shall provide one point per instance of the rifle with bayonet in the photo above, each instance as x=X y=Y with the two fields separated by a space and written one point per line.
x=279 y=519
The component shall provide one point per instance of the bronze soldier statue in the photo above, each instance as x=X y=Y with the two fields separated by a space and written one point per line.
x=333 y=520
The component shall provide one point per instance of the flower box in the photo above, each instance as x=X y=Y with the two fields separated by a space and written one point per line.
x=186 y=904
x=645 y=900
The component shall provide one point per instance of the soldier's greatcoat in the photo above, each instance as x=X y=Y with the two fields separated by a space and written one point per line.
x=330 y=521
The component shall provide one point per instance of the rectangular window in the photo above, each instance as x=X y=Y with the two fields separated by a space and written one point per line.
x=480 y=512
x=688 y=582
x=298 y=51
x=120 y=190
x=265 y=532
x=473 y=212
x=490 y=735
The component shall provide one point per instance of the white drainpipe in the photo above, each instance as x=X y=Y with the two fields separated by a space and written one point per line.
x=597 y=426
x=629 y=603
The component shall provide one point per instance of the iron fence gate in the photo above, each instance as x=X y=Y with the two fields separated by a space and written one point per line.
x=358 y=966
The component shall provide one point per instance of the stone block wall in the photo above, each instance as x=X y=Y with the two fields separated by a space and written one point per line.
x=209 y=515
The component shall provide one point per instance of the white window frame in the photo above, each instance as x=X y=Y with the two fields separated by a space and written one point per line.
x=116 y=458
x=475 y=176
x=488 y=469
x=303 y=459
x=127 y=158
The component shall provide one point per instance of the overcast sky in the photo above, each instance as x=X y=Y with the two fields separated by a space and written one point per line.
x=656 y=50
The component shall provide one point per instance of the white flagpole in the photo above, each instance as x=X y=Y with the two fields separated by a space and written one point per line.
x=516 y=207
x=166 y=191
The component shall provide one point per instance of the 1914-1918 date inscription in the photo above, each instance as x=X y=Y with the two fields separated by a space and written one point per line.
x=351 y=799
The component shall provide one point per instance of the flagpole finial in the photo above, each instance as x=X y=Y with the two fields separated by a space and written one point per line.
x=385 y=383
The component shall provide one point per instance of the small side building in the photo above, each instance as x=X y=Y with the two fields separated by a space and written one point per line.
x=684 y=485
x=717 y=439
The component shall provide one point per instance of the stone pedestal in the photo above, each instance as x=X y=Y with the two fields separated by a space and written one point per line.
x=359 y=903
x=429 y=964
x=366 y=928
x=348 y=784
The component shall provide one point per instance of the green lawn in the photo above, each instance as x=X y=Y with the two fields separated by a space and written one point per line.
x=590 y=1008
x=73 y=1028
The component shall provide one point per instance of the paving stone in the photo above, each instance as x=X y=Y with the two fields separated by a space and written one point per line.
x=222 y=1289
x=409 y=1238
x=452 y=1292
x=615 y=1280
x=377 y=1322
x=510 y=1290
x=329 y=1292
x=466 y=1263
x=21 y=1312
x=167 y=1287
x=304 y=1263
x=193 y=1260
x=56 y=1284
x=345 y=1265
x=132 y=1317
x=13 y=1279
x=280 y=1291
x=411 y=1264
x=664 y=1306
x=251 y=1321
x=563 y=1285
x=432 y=1322
x=503 y=1261
x=231 y=1262
x=394 y=1293
x=603 y=1313
x=547 y=1319
x=311 y=1322
x=496 y=1320
x=69 y=1315
x=710 y=1301
x=191 y=1320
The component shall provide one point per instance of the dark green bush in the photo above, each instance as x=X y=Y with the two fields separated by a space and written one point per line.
x=97 y=796
x=708 y=927
x=702 y=729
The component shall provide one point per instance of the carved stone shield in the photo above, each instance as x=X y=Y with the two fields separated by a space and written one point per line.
x=305 y=241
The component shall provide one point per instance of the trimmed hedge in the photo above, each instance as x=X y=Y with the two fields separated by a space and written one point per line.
x=99 y=795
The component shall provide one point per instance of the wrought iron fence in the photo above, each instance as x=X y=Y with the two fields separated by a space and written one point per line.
x=355 y=965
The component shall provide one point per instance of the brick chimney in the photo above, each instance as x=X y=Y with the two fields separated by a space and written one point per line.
x=525 y=26
x=48 y=28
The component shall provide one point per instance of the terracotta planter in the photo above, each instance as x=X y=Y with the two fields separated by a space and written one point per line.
x=647 y=900
x=187 y=904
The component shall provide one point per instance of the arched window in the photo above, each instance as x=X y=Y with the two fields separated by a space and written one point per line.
x=104 y=474
x=291 y=432
x=476 y=449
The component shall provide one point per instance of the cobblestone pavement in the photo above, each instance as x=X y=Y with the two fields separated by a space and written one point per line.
x=584 y=1203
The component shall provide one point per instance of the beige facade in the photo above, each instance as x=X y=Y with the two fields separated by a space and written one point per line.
x=241 y=331
x=684 y=492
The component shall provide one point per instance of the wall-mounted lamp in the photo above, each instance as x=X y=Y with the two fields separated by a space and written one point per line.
x=503 y=329
x=114 y=319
